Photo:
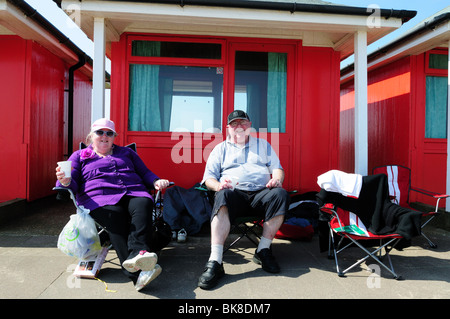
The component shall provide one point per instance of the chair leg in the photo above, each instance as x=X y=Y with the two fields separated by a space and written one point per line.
x=245 y=230
x=430 y=243
x=333 y=253
x=369 y=254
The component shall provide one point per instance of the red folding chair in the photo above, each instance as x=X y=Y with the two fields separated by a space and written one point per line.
x=365 y=218
x=347 y=225
x=399 y=179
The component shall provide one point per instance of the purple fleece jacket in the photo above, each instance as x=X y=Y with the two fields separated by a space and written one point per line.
x=99 y=181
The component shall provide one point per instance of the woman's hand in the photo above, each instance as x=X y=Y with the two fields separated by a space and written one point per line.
x=160 y=184
x=61 y=177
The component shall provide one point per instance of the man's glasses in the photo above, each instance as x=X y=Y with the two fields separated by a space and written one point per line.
x=108 y=133
x=235 y=123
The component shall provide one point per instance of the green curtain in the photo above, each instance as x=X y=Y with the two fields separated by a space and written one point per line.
x=276 y=91
x=144 y=113
x=436 y=107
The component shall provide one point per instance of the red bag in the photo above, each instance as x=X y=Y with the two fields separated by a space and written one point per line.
x=288 y=231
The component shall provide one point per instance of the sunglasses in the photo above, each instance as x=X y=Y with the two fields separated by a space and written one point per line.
x=100 y=133
x=237 y=122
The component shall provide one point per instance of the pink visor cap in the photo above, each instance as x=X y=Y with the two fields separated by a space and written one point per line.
x=102 y=124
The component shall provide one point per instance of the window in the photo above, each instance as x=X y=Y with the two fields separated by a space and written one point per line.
x=176 y=84
x=436 y=94
x=168 y=98
x=260 y=88
x=176 y=49
x=165 y=96
x=438 y=61
x=436 y=107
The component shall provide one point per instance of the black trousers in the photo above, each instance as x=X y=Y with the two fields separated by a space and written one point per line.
x=266 y=203
x=129 y=226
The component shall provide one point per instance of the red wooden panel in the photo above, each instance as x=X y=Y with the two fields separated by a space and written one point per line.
x=82 y=108
x=428 y=168
x=388 y=117
x=46 y=114
x=389 y=114
x=13 y=168
x=317 y=127
x=347 y=128
x=32 y=88
x=429 y=156
x=396 y=125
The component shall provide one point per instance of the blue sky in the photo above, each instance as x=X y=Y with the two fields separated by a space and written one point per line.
x=424 y=8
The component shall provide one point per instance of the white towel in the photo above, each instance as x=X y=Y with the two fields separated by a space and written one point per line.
x=339 y=182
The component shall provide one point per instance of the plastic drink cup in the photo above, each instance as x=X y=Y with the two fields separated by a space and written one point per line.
x=66 y=167
x=234 y=180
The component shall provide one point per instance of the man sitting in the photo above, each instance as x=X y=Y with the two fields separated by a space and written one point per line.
x=256 y=167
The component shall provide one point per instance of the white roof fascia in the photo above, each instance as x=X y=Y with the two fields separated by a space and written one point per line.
x=220 y=15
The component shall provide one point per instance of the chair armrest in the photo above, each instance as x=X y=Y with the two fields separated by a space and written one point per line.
x=158 y=193
x=72 y=195
x=429 y=193
x=328 y=208
x=331 y=209
x=436 y=196
x=441 y=196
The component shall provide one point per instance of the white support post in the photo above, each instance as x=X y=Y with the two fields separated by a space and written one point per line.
x=361 y=132
x=447 y=202
x=98 y=86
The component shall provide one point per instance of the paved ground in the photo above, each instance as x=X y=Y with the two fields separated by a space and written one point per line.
x=32 y=267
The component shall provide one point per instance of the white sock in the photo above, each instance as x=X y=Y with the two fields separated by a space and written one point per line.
x=263 y=243
x=216 y=253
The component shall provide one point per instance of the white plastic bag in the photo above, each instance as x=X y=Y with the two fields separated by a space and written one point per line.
x=79 y=237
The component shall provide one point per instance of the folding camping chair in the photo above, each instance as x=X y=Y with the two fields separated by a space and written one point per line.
x=350 y=228
x=245 y=226
x=64 y=193
x=347 y=225
x=399 y=180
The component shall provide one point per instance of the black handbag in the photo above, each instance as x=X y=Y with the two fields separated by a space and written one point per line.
x=161 y=234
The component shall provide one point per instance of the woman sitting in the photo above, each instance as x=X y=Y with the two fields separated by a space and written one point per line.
x=112 y=181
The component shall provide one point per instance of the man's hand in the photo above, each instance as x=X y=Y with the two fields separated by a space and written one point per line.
x=274 y=182
x=216 y=186
x=277 y=179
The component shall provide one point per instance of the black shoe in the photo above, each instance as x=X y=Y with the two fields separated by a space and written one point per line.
x=266 y=260
x=211 y=275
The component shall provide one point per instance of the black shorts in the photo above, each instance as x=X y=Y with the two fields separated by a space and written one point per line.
x=265 y=204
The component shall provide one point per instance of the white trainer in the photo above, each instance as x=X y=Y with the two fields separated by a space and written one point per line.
x=144 y=261
x=181 y=236
x=146 y=277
